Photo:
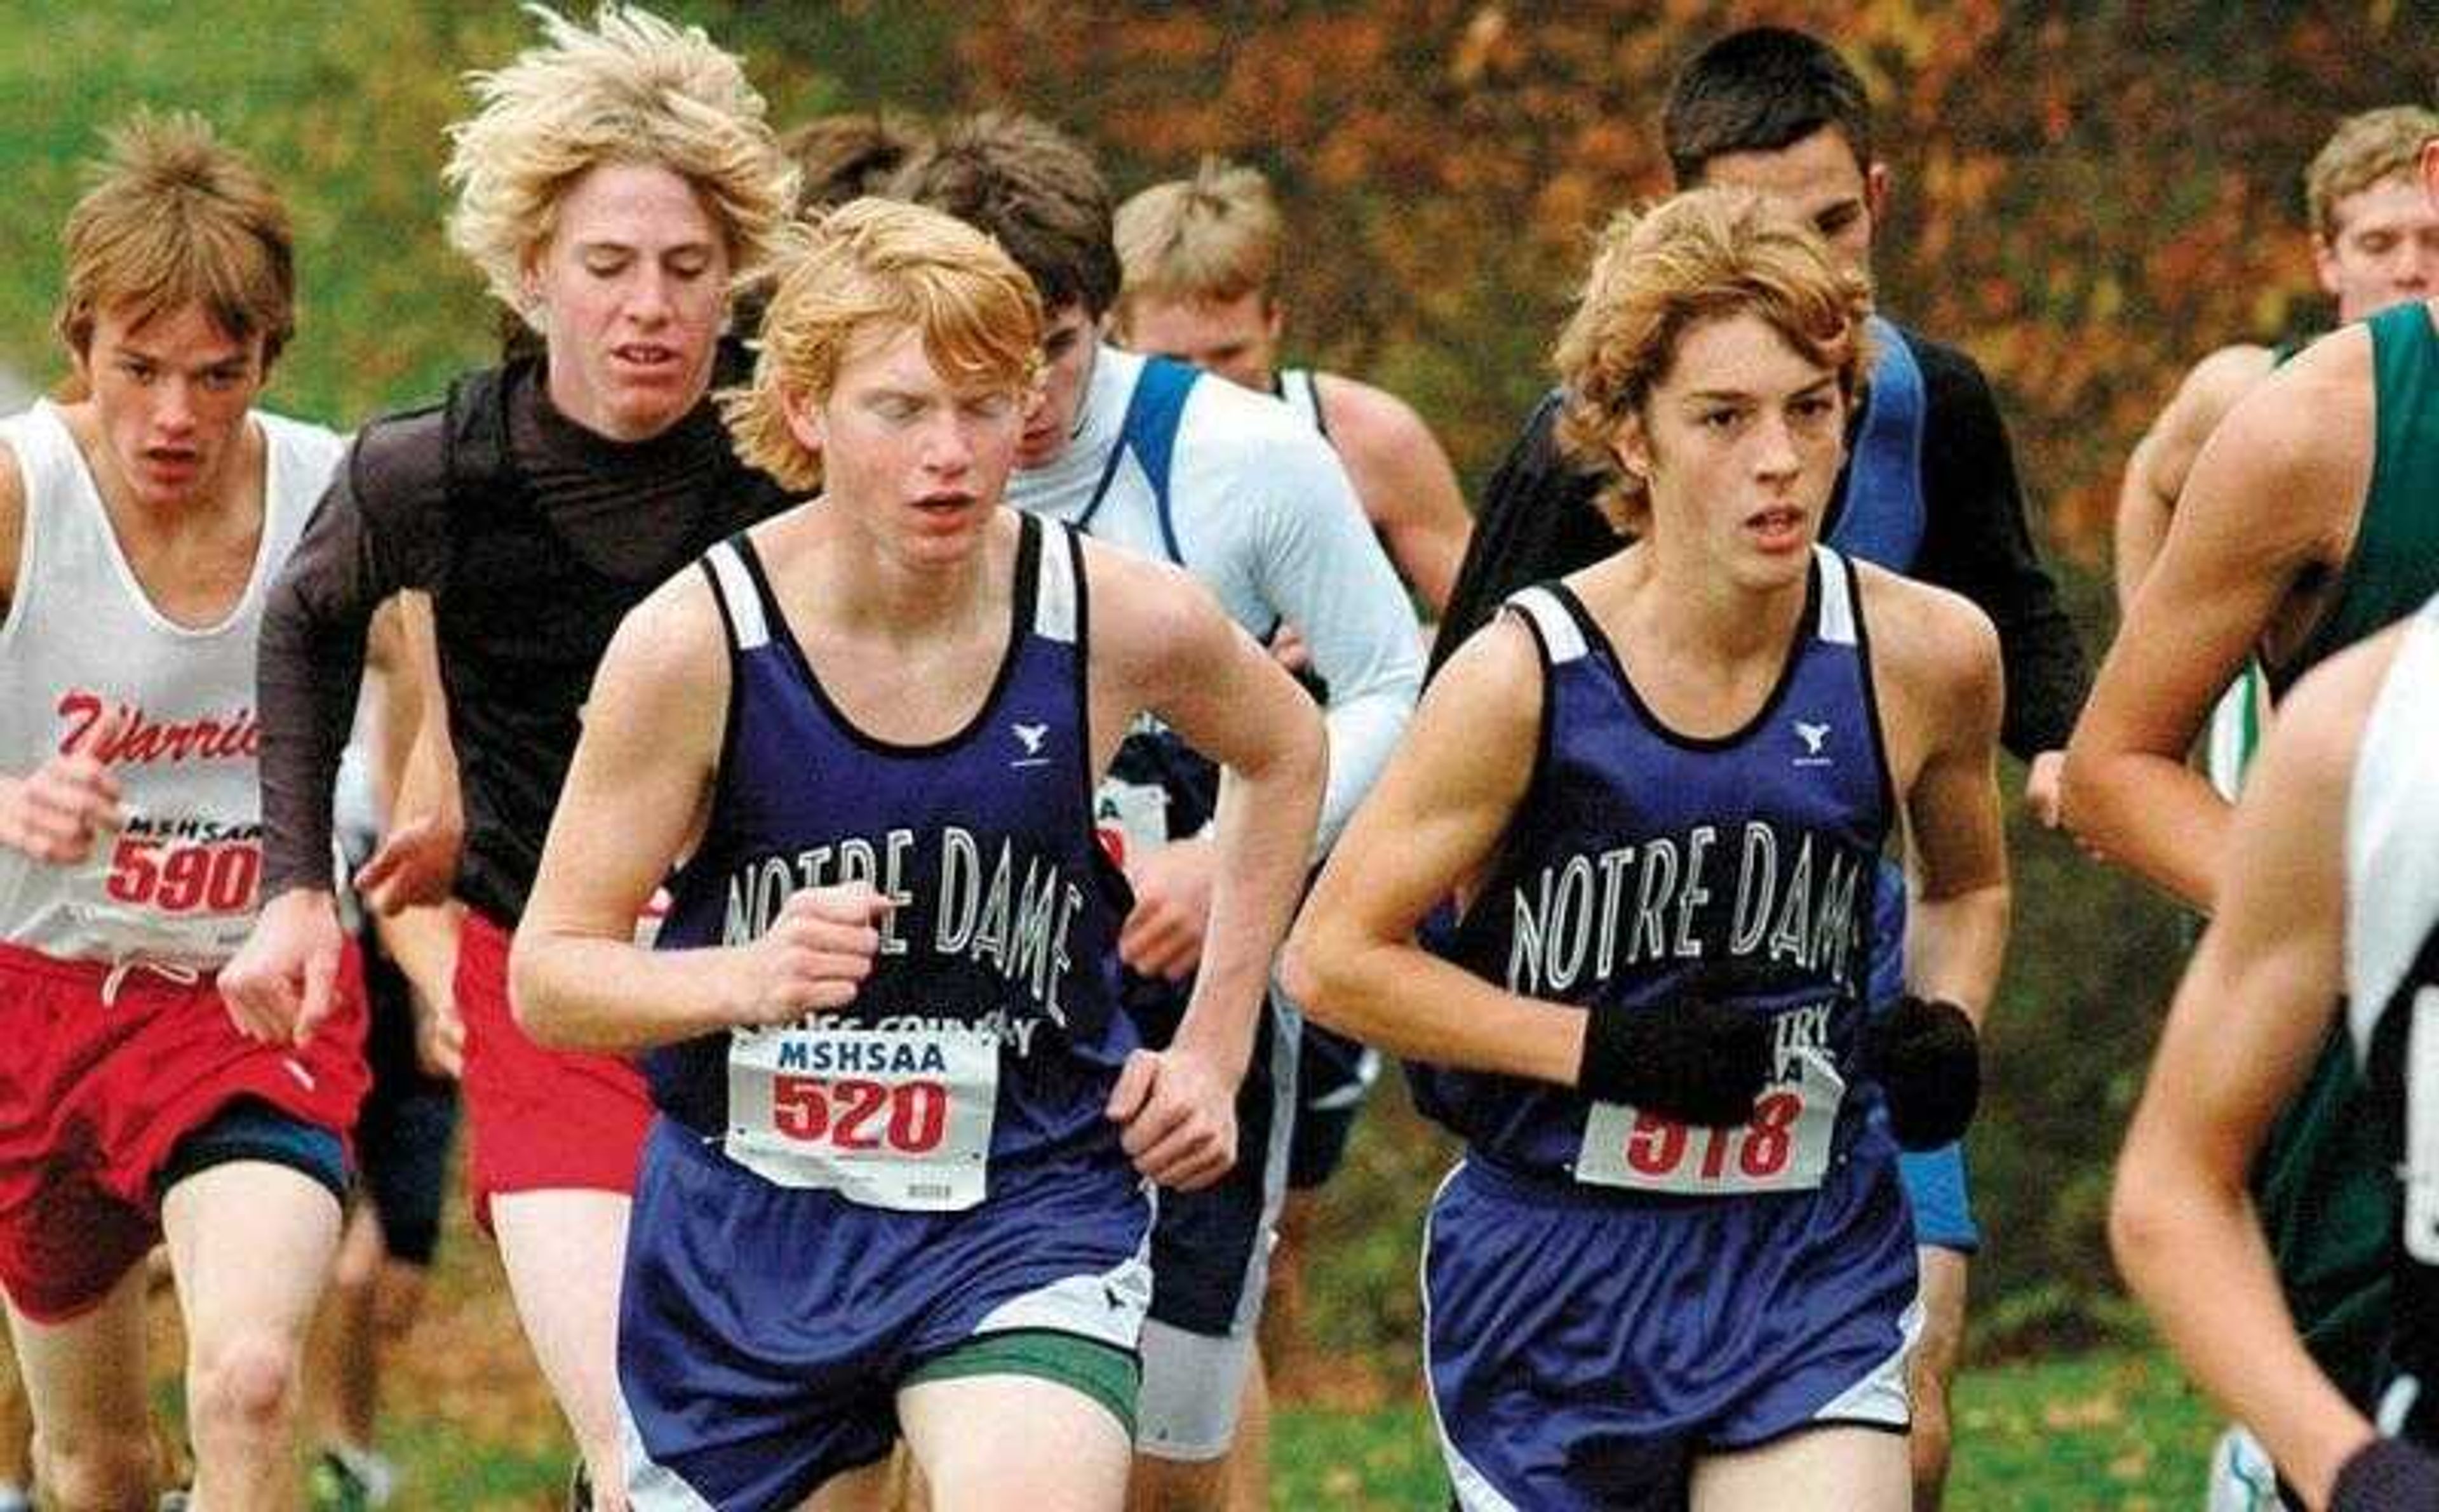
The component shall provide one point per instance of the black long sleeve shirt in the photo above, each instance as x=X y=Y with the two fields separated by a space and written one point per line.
x=534 y=536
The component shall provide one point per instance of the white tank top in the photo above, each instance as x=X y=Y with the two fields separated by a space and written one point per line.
x=2392 y=826
x=2393 y=902
x=178 y=885
x=1302 y=395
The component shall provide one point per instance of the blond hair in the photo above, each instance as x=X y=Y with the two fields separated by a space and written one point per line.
x=877 y=267
x=1214 y=238
x=1701 y=255
x=172 y=218
x=633 y=89
x=2365 y=149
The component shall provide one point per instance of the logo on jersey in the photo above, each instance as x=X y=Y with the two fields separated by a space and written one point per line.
x=1814 y=737
x=141 y=740
x=1030 y=737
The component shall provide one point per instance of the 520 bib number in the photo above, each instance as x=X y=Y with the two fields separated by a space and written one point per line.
x=884 y=1117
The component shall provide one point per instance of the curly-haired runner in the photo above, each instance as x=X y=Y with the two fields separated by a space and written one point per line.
x=1677 y=1259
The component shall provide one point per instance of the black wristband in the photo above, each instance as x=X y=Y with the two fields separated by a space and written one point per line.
x=1691 y=1059
x=1929 y=1059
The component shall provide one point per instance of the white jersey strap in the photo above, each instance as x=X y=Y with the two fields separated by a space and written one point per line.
x=1837 y=598
x=734 y=585
x=1302 y=395
x=2393 y=829
x=1549 y=617
x=1058 y=597
x=51 y=477
x=46 y=453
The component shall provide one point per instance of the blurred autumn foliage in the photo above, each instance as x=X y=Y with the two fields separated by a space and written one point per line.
x=2087 y=196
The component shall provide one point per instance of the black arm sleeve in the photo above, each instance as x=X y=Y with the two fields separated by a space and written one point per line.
x=1537 y=520
x=1976 y=542
x=374 y=532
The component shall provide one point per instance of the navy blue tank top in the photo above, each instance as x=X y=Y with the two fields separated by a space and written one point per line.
x=1007 y=911
x=1642 y=859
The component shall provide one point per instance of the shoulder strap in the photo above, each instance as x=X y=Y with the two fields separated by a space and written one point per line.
x=1149 y=432
x=1553 y=622
x=734 y=590
x=46 y=451
x=1838 y=615
x=1302 y=391
x=1059 y=581
x=1883 y=517
x=475 y=439
x=2394 y=565
x=48 y=465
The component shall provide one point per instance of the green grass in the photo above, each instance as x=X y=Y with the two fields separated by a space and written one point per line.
x=2119 y=1430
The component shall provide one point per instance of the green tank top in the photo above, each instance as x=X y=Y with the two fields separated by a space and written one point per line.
x=2394 y=565
x=2325 y=1195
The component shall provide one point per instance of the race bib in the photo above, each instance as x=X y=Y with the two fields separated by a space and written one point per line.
x=1131 y=818
x=897 y=1119
x=1783 y=1147
x=178 y=889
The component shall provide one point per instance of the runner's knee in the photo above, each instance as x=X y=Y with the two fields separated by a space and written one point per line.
x=245 y=1386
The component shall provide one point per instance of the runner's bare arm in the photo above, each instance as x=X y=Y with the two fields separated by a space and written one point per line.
x=422 y=940
x=1161 y=642
x=1936 y=664
x=2272 y=497
x=637 y=798
x=416 y=862
x=1403 y=477
x=1425 y=832
x=2156 y=472
x=2246 y=1028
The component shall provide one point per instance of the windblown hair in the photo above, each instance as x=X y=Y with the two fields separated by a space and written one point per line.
x=633 y=89
x=869 y=270
x=1214 y=238
x=1702 y=256
x=172 y=218
x=2365 y=149
x=1033 y=189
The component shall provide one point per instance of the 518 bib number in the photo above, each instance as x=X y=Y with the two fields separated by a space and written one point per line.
x=1783 y=1147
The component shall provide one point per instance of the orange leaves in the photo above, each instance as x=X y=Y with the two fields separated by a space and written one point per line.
x=2088 y=200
